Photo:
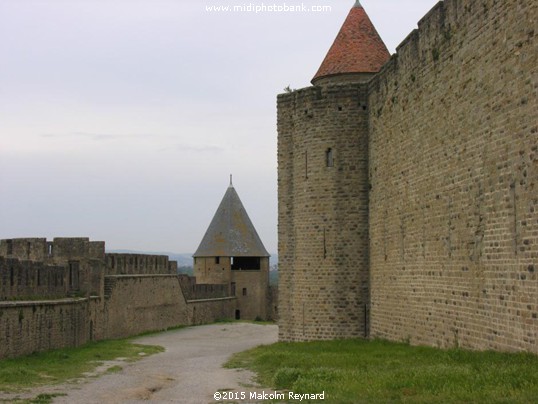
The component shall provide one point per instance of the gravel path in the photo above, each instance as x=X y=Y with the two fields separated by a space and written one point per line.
x=190 y=371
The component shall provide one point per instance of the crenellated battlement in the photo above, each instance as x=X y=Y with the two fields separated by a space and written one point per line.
x=129 y=264
x=60 y=249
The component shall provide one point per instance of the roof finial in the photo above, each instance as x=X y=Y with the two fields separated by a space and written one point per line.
x=231 y=185
x=357 y=4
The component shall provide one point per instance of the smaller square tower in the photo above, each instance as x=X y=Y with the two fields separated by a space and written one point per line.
x=232 y=253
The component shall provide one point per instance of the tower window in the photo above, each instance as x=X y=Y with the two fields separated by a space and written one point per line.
x=74 y=274
x=244 y=291
x=305 y=165
x=217 y=260
x=329 y=158
x=9 y=247
x=246 y=263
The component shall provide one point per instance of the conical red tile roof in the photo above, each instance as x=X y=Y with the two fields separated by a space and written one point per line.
x=358 y=48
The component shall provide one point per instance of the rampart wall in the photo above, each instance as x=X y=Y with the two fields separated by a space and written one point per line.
x=192 y=290
x=149 y=297
x=139 y=303
x=131 y=264
x=453 y=167
x=132 y=304
x=60 y=249
x=31 y=279
x=206 y=311
x=27 y=327
x=33 y=267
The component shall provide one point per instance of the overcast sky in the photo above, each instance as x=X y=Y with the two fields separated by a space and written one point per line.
x=122 y=120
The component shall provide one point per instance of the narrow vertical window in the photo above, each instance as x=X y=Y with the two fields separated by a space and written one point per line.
x=324 y=243
x=217 y=260
x=305 y=165
x=49 y=248
x=9 y=247
x=244 y=291
x=74 y=274
x=329 y=158
x=233 y=288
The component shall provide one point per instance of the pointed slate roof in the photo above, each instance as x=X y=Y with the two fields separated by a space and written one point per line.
x=358 y=48
x=231 y=233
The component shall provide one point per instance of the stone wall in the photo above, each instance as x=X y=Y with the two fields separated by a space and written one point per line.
x=251 y=291
x=133 y=304
x=140 y=303
x=272 y=303
x=31 y=279
x=152 y=298
x=82 y=261
x=454 y=180
x=139 y=264
x=193 y=291
x=27 y=327
x=323 y=212
x=211 y=310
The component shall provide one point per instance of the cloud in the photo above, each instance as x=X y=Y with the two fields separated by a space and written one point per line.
x=98 y=136
x=196 y=148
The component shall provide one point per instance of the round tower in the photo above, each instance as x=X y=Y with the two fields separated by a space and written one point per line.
x=323 y=190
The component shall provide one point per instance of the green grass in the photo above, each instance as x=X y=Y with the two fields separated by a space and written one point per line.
x=359 y=371
x=57 y=366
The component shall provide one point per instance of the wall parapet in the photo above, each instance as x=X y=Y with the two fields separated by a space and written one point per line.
x=132 y=264
x=52 y=302
x=213 y=299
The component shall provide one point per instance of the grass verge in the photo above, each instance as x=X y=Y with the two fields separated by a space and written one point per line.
x=359 y=371
x=57 y=366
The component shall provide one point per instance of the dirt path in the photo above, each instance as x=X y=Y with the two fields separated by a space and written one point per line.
x=190 y=371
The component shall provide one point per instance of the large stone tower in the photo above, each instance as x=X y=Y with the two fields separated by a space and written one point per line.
x=323 y=190
x=232 y=253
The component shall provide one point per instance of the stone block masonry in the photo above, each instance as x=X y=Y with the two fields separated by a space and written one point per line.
x=35 y=275
x=408 y=204
x=149 y=299
x=138 y=303
x=323 y=238
x=454 y=180
x=27 y=327
x=32 y=279
x=131 y=264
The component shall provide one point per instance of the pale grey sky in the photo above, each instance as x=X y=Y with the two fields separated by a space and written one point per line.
x=121 y=120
